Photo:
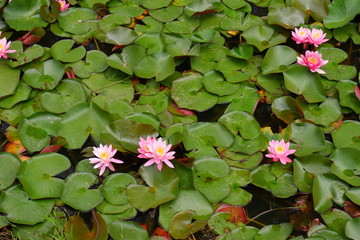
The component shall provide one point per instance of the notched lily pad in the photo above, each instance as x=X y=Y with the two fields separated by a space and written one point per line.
x=62 y=51
x=346 y=166
x=95 y=62
x=114 y=187
x=8 y=169
x=77 y=20
x=36 y=175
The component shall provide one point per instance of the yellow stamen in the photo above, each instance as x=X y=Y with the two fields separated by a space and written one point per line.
x=316 y=35
x=160 y=151
x=104 y=155
x=2 y=46
x=279 y=149
x=313 y=60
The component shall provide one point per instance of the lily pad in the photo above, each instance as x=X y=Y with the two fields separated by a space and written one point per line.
x=166 y=14
x=21 y=93
x=8 y=169
x=114 y=188
x=341 y=12
x=277 y=59
x=215 y=83
x=77 y=20
x=209 y=178
x=20 y=209
x=287 y=17
x=279 y=231
x=128 y=58
x=121 y=36
x=287 y=109
x=95 y=62
x=76 y=192
x=21 y=57
x=10 y=79
x=24 y=15
x=233 y=70
x=345 y=165
x=34 y=131
x=182 y=224
x=86 y=118
x=327 y=188
x=347 y=136
x=352 y=228
x=62 y=51
x=120 y=230
x=187 y=200
x=347 y=95
x=186 y=92
x=163 y=187
x=46 y=76
x=66 y=95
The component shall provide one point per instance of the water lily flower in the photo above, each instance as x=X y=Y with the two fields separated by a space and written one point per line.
x=157 y=151
x=64 y=5
x=300 y=35
x=316 y=37
x=4 y=48
x=280 y=151
x=104 y=158
x=313 y=60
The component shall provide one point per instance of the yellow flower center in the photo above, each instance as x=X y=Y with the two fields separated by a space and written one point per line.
x=302 y=33
x=160 y=151
x=104 y=155
x=279 y=149
x=316 y=35
x=312 y=60
x=2 y=46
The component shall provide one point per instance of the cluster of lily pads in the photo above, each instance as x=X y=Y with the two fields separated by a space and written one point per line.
x=219 y=87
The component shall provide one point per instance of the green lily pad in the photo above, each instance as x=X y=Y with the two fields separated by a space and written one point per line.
x=316 y=9
x=8 y=169
x=347 y=136
x=353 y=194
x=241 y=123
x=86 y=118
x=301 y=81
x=187 y=199
x=244 y=51
x=151 y=25
x=95 y=62
x=287 y=17
x=184 y=24
x=20 y=209
x=287 y=109
x=209 y=57
x=306 y=168
x=120 y=230
x=345 y=165
x=128 y=58
x=158 y=65
x=77 y=20
x=263 y=36
x=347 y=95
x=128 y=214
x=341 y=12
x=232 y=69
x=152 y=42
x=342 y=34
x=66 y=95
x=62 y=51
x=201 y=137
x=323 y=114
x=215 y=83
x=186 y=92
x=177 y=46
x=236 y=179
x=352 y=228
x=159 y=101
x=112 y=21
x=309 y=137
x=22 y=93
x=36 y=175
x=24 y=15
x=10 y=79
x=34 y=131
x=279 y=231
x=336 y=220
x=21 y=57
x=76 y=192
x=163 y=187
x=114 y=188
x=209 y=173
x=121 y=36
x=108 y=208
x=45 y=76
x=246 y=99
x=327 y=188
x=182 y=224
x=277 y=59
x=241 y=160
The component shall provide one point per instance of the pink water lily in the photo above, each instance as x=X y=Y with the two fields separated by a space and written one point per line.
x=104 y=158
x=316 y=37
x=4 y=48
x=280 y=151
x=64 y=5
x=157 y=151
x=313 y=60
x=300 y=35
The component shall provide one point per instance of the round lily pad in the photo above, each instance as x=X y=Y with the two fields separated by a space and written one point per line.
x=95 y=62
x=8 y=169
x=10 y=79
x=215 y=83
x=76 y=192
x=346 y=165
x=62 y=51
x=120 y=230
x=114 y=188
x=36 y=175
x=77 y=20
x=347 y=136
